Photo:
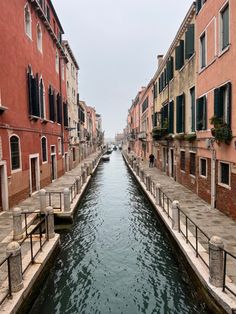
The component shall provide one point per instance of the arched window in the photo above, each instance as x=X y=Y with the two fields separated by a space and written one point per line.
x=27 y=16
x=41 y=98
x=57 y=61
x=15 y=152
x=44 y=149
x=39 y=38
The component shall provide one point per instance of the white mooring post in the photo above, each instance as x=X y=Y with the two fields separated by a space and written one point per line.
x=216 y=261
x=175 y=215
x=158 y=199
x=14 y=252
x=17 y=224
x=50 y=223
x=66 y=200
x=42 y=197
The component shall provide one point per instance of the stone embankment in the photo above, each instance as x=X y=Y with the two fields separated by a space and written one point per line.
x=28 y=238
x=205 y=236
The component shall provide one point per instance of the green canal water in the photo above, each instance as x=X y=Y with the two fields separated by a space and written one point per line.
x=117 y=257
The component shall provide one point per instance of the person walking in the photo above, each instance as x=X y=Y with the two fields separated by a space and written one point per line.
x=151 y=161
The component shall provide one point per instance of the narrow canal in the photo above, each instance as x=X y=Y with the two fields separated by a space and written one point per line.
x=117 y=257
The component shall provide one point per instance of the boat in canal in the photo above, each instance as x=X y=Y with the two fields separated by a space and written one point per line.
x=105 y=158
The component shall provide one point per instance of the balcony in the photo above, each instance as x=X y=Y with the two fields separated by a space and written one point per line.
x=142 y=136
x=159 y=134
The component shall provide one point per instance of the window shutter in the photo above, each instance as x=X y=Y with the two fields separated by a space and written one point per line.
x=177 y=67
x=229 y=89
x=178 y=115
x=171 y=117
x=217 y=103
x=183 y=112
x=199 y=114
x=37 y=96
x=189 y=41
x=198 y=6
x=29 y=80
x=181 y=53
x=204 y=118
x=59 y=111
x=193 y=109
x=162 y=118
x=65 y=114
x=159 y=84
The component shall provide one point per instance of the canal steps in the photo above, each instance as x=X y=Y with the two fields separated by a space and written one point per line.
x=211 y=221
x=31 y=205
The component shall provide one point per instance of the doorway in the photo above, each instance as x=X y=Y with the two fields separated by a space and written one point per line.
x=171 y=163
x=34 y=173
x=53 y=163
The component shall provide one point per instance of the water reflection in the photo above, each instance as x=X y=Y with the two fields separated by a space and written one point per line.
x=117 y=258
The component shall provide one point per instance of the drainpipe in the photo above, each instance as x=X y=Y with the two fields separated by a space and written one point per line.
x=213 y=175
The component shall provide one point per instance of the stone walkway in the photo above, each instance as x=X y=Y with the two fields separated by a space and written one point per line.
x=32 y=203
x=210 y=221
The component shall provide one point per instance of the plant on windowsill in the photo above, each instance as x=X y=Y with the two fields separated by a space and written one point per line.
x=159 y=133
x=190 y=137
x=221 y=131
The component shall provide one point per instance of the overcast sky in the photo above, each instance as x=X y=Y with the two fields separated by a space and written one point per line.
x=116 y=43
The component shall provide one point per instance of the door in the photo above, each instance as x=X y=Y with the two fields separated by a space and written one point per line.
x=172 y=163
x=53 y=167
x=33 y=175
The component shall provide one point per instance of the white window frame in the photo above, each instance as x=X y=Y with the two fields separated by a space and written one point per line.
x=39 y=39
x=201 y=68
x=200 y=167
x=227 y=186
x=46 y=161
x=19 y=169
x=27 y=8
x=221 y=49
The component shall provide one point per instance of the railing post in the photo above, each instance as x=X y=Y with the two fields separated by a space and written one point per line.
x=15 y=266
x=158 y=198
x=42 y=198
x=78 y=182
x=17 y=224
x=175 y=215
x=50 y=223
x=66 y=200
x=216 y=261
x=148 y=181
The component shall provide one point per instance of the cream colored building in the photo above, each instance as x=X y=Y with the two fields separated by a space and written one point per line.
x=72 y=69
x=174 y=106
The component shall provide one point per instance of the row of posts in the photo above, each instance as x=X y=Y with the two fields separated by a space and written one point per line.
x=216 y=245
x=13 y=250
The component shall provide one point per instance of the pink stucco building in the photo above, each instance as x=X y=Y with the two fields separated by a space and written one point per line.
x=216 y=82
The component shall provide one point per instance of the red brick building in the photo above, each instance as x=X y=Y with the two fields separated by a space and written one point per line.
x=33 y=105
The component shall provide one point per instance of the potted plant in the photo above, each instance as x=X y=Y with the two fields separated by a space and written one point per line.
x=221 y=131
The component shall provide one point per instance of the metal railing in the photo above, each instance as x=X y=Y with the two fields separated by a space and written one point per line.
x=227 y=257
x=165 y=203
x=5 y=263
x=35 y=238
x=53 y=199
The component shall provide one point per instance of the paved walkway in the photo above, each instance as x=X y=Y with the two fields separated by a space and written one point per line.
x=211 y=221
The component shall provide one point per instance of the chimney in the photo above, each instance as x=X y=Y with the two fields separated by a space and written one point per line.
x=159 y=60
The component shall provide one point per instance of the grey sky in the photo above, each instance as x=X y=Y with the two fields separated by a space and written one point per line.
x=116 y=44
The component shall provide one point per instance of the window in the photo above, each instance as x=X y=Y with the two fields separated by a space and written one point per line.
x=145 y=104
x=57 y=61
x=224 y=173
x=73 y=153
x=180 y=113
x=39 y=38
x=65 y=114
x=59 y=109
x=59 y=146
x=203 y=167
x=201 y=113
x=41 y=99
x=44 y=149
x=170 y=69
x=203 y=51
x=33 y=93
x=192 y=104
x=192 y=165
x=28 y=22
x=199 y=4
x=224 y=28
x=189 y=41
x=52 y=111
x=179 y=55
x=63 y=70
x=15 y=152
x=222 y=103
x=182 y=160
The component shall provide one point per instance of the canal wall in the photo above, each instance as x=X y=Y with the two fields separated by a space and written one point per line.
x=34 y=273
x=224 y=301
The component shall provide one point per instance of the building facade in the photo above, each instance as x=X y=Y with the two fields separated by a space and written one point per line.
x=34 y=110
x=216 y=103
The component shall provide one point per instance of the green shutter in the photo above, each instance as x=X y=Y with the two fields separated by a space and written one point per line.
x=183 y=112
x=217 y=113
x=162 y=118
x=189 y=41
x=229 y=89
x=181 y=53
x=179 y=116
x=198 y=6
x=204 y=118
x=177 y=67
x=199 y=114
x=192 y=92
x=171 y=117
